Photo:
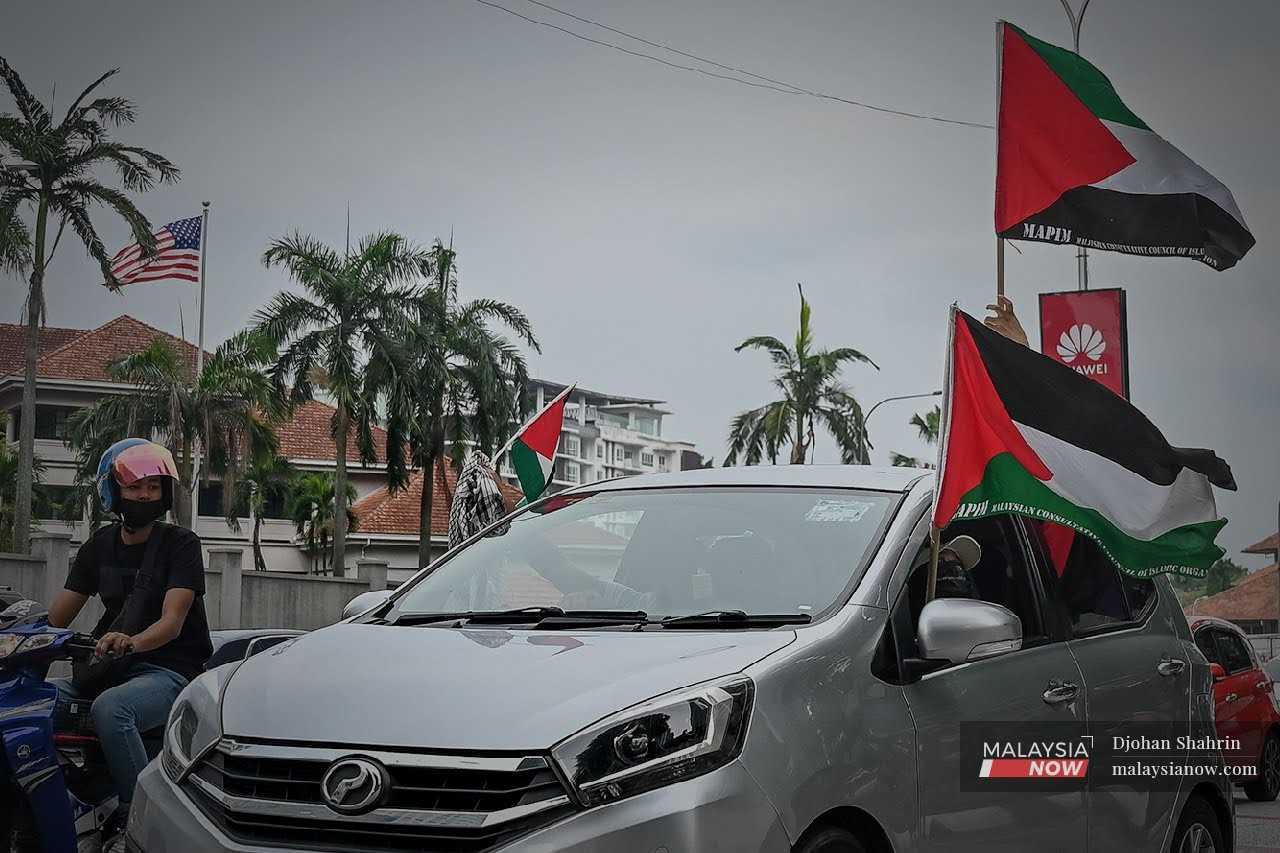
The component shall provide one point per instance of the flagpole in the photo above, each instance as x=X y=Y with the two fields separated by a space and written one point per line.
x=1082 y=252
x=999 y=268
x=197 y=450
x=204 y=251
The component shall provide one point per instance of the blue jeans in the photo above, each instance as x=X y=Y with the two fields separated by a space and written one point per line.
x=139 y=704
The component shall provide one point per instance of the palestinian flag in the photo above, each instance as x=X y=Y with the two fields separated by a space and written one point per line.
x=533 y=448
x=1024 y=434
x=1075 y=165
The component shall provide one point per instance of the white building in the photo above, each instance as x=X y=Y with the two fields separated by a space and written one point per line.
x=607 y=436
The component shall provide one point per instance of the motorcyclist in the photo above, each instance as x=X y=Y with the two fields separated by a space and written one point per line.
x=169 y=640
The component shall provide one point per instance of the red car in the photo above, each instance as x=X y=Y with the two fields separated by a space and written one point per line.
x=1244 y=702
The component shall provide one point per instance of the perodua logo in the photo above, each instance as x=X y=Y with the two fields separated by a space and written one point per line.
x=354 y=785
x=1081 y=339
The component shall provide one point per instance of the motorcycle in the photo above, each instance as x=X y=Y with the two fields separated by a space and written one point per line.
x=56 y=793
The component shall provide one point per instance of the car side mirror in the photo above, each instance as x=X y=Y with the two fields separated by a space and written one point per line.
x=957 y=630
x=365 y=601
x=1217 y=671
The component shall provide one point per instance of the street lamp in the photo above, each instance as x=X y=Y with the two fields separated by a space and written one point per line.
x=867 y=416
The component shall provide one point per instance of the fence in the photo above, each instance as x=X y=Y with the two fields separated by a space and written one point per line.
x=233 y=598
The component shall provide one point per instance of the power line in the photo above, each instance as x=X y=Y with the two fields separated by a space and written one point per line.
x=769 y=82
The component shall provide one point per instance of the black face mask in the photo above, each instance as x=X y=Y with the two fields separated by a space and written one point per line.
x=138 y=514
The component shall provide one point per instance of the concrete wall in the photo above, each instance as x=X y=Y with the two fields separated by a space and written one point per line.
x=234 y=598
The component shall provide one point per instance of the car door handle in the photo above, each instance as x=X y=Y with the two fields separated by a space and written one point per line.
x=1060 y=691
x=1262 y=685
x=1231 y=697
x=1170 y=667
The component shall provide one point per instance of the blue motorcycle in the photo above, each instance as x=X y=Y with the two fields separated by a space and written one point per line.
x=55 y=790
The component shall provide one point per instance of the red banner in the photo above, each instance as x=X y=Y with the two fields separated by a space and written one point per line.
x=1088 y=331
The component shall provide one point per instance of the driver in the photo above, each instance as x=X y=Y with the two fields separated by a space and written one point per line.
x=169 y=640
x=956 y=561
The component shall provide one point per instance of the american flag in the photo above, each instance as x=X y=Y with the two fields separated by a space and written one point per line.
x=177 y=256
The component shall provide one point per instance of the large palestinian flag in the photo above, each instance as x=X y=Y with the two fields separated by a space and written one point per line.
x=533 y=448
x=1024 y=434
x=1075 y=165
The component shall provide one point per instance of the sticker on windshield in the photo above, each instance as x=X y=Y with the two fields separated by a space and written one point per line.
x=837 y=510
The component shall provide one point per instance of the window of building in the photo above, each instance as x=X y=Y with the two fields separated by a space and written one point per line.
x=646 y=459
x=51 y=422
x=56 y=503
x=572 y=445
x=618 y=454
x=647 y=425
x=662 y=462
x=599 y=449
x=209 y=503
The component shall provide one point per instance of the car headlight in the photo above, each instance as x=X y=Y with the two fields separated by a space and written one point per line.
x=659 y=742
x=9 y=643
x=195 y=725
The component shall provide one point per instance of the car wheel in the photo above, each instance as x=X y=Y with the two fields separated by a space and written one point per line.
x=1266 y=786
x=830 y=839
x=1198 y=830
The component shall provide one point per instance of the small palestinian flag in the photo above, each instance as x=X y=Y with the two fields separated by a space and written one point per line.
x=533 y=448
x=1024 y=434
x=1075 y=165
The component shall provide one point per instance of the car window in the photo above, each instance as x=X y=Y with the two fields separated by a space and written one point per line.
x=1235 y=657
x=669 y=552
x=1094 y=593
x=1003 y=575
x=261 y=644
x=1204 y=642
x=228 y=652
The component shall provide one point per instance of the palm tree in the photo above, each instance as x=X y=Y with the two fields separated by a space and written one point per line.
x=266 y=477
x=458 y=382
x=313 y=508
x=355 y=301
x=228 y=411
x=927 y=426
x=812 y=393
x=55 y=174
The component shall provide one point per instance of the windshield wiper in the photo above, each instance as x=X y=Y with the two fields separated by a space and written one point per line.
x=539 y=617
x=735 y=619
x=425 y=618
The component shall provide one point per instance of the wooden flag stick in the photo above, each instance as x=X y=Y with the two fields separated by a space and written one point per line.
x=999 y=268
x=934 y=538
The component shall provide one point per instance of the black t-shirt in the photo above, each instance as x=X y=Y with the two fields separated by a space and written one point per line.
x=107 y=567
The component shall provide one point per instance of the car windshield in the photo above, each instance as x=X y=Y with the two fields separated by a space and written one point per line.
x=667 y=552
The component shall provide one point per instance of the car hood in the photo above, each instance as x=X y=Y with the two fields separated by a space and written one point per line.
x=433 y=687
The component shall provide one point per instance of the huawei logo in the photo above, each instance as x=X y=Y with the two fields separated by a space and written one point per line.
x=1081 y=339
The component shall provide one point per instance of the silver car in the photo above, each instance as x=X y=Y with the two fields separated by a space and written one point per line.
x=716 y=660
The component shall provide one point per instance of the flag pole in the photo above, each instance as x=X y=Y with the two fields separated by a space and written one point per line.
x=1082 y=252
x=204 y=251
x=999 y=268
x=196 y=451
x=934 y=538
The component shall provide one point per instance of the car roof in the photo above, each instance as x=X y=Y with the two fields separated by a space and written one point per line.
x=888 y=479
x=1206 y=621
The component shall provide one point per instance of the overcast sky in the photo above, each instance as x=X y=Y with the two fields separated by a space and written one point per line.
x=649 y=219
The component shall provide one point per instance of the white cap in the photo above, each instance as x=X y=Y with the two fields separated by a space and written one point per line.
x=966 y=548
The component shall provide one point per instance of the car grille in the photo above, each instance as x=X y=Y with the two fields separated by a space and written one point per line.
x=270 y=793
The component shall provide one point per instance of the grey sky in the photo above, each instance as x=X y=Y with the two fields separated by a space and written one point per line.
x=649 y=219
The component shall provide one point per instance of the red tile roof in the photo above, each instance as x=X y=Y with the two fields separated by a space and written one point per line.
x=384 y=512
x=84 y=354
x=1266 y=546
x=1254 y=597
x=13 y=344
x=308 y=435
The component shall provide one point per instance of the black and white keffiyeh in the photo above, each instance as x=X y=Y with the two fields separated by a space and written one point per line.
x=477 y=500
